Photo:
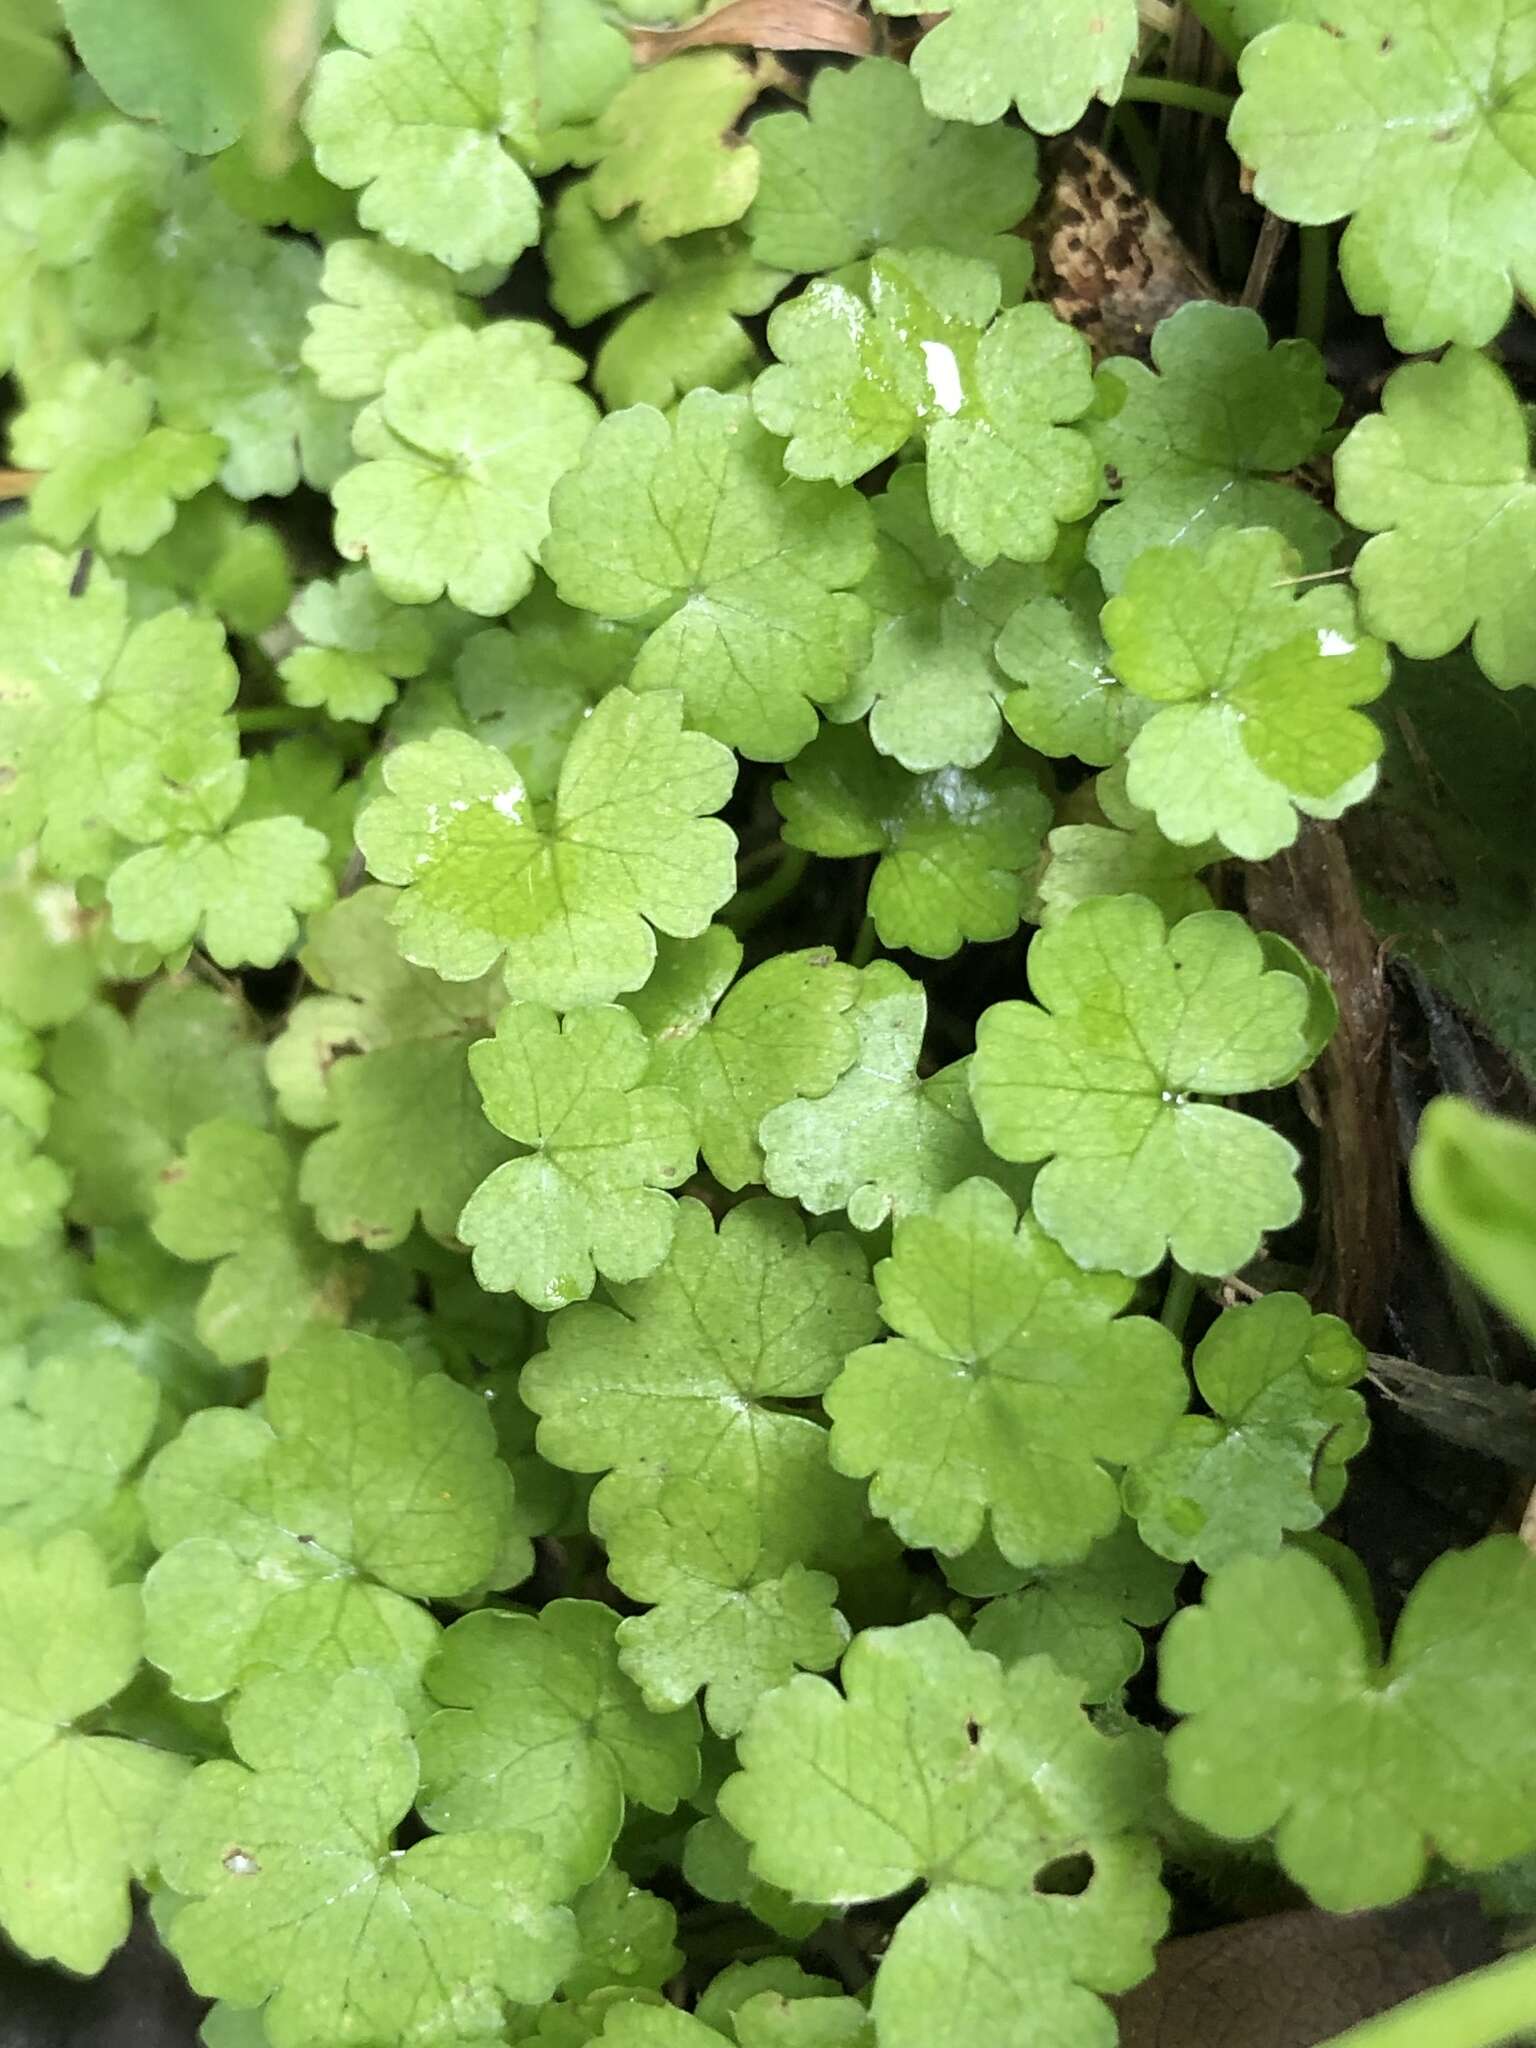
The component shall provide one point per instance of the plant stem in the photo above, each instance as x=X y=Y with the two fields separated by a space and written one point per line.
x=1215 y=17
x=864 y=945
x=277 y=717
x=1476 y=2011
x=1173 y=92
x=1178 y=1301
x=753 y=905
x=1312 y=286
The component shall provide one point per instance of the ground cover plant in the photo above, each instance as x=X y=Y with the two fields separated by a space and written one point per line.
x=754 y=761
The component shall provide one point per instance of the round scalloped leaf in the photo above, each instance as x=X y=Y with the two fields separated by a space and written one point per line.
x=1256 y=686
x=1007 y=1391
x=1150 y=1164
x=1442 y=479
x=1360 y=1769
x=923 y=351
x=1384 y=110
x=865 y=167
x=839 y=1795
x=1270 y=1456
x=569 y=893
x=986 y=56
x=744 y=579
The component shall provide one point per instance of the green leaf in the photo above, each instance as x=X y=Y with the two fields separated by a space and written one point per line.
x=238 y=891
x=371 y=1000
x=1081 y=1616
x=588 y=1194
x=925 y=352
x=1006 y=1391
x=48 y=964
x=203 y=75
x=743 y=576
x=1372 y=112
x=1194 y=445
x=78 y=1812
x=359 y=645
x=221 y=560
x=956 y=847
x=1474 y=1183
x=1126 y=855
x=571 y=901
x=76 y=1417
x=687 y=331
x=1359 y=1768
x=928 y=1765
x=37 y=70
x=131 y=1091
x=88 y=705
x=716 y=1866
x=1108 y=1074
x=441 y=108
x=733 y=1050
x=540 y=1729
x=1070 y=703
x=232 y=1197
x=33 y=1189
x=881 y=1142
x=107 y=465
x=224 y=358
x=984 y=57
x=720 y=1495
x=865 y=167
x=295 y=1896
x=1257 y=685
x=934 y=684
x=300 y=1539
x=460 y=453
x=379 y=304
x=410 y=1140
x=626 y=1936
x=1442 y=479
x=667 y=149
x=1270 y=1456
x=529 y=687
x=772 y=2021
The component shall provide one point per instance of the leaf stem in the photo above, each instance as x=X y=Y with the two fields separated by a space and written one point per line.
x=1215 y=17
x=753 y=905
x=1312 y=286
x=1174 y=92
x=1178 y=1301
x=1476 y=2011
x=864 y=945
x=277 y=717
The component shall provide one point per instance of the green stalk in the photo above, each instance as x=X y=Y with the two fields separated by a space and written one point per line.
x=1173 y=92
x=753 y=905
x=1178 y=1301
x=1215 y=17
x=1312 y=286
x=1477 y=2011
x=278 y=717
x=864 y=945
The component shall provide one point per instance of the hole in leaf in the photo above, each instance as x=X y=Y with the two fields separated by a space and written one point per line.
x=1068 y=1877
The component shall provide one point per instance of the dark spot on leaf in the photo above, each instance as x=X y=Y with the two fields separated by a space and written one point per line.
x=82 y=574
x=1386 y=46
x=1113 y=478
x=973 y=1732
x=1067 y=1877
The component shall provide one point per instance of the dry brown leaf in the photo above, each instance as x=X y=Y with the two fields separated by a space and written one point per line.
x=15 y=483
x=762 y=25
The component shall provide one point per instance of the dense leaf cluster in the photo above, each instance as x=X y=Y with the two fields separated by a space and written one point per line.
x=566 y=1419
